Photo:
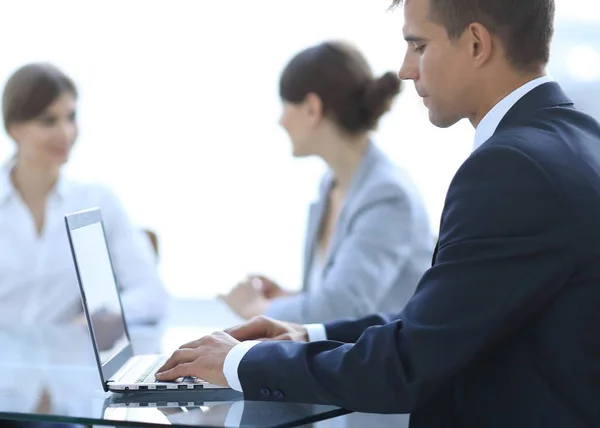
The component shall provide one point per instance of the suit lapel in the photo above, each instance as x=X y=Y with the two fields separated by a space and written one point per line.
x=365 y=167
x=435 y=251
x=315 y=218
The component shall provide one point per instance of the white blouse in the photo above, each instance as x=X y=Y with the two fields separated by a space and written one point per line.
x=38 y=283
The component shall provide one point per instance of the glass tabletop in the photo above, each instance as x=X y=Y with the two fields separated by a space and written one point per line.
x=49 y=374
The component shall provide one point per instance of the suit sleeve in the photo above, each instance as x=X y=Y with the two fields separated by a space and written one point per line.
x=504 y=253
x=365 y=266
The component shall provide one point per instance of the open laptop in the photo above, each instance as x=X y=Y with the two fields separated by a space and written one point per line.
x=120 y=370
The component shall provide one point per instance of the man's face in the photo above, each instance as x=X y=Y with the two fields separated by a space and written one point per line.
x=440 y=67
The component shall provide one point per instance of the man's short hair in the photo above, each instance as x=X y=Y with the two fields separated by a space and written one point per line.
x=525 y=27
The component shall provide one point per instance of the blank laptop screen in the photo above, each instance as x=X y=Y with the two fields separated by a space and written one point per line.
x=98 y=283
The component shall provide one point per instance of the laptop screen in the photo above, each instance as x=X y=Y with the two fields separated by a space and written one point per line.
x=101 y=296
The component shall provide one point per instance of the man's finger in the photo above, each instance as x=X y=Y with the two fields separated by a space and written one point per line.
x=228 y=330
x=191 y=345
x=179 y=357
x=284 y=336
x=253 y=329
x=219 y=333
x=180 y=370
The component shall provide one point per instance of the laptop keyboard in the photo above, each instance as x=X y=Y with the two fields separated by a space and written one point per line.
x=147 y=376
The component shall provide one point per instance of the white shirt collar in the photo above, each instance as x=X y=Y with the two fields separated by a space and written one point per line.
x=491 y=120
x=7 y=189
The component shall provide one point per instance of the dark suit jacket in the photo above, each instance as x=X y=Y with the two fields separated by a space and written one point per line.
x=504 y=329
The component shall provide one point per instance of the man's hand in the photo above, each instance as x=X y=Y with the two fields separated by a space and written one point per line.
x=265 y=328
x=261 y=328
x=202 y=358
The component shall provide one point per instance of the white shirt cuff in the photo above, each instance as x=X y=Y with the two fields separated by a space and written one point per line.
x=316 y=332
x=234 y=415
x=232 y=362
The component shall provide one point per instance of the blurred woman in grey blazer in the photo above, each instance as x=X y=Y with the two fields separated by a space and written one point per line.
x=368 y=239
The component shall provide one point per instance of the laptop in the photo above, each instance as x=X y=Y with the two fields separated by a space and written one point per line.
x=120 y=370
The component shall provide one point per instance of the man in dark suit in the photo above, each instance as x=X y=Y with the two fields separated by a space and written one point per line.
x=503 y=330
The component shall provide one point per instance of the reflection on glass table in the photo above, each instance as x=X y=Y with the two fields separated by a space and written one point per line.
x=213 y=408
x=50 y=374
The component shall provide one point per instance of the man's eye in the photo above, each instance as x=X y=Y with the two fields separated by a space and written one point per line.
x=419 y=48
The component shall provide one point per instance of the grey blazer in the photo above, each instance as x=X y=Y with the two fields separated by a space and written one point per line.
x=381 y=246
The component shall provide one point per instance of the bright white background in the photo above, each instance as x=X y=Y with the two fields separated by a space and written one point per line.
x=179 y=109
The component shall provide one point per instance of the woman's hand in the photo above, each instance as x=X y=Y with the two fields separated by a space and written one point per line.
x=246 y=300
x=268 y=288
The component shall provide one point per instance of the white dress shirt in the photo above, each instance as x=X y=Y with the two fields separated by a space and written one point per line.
x=484 y=131
x=38 y=283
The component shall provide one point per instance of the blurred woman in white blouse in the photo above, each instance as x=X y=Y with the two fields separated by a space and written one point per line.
x=38 y=283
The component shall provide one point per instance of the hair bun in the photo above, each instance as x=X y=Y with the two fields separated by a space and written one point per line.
x=378 y=97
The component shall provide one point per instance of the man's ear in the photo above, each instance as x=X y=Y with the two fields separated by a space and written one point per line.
x=480 y=42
